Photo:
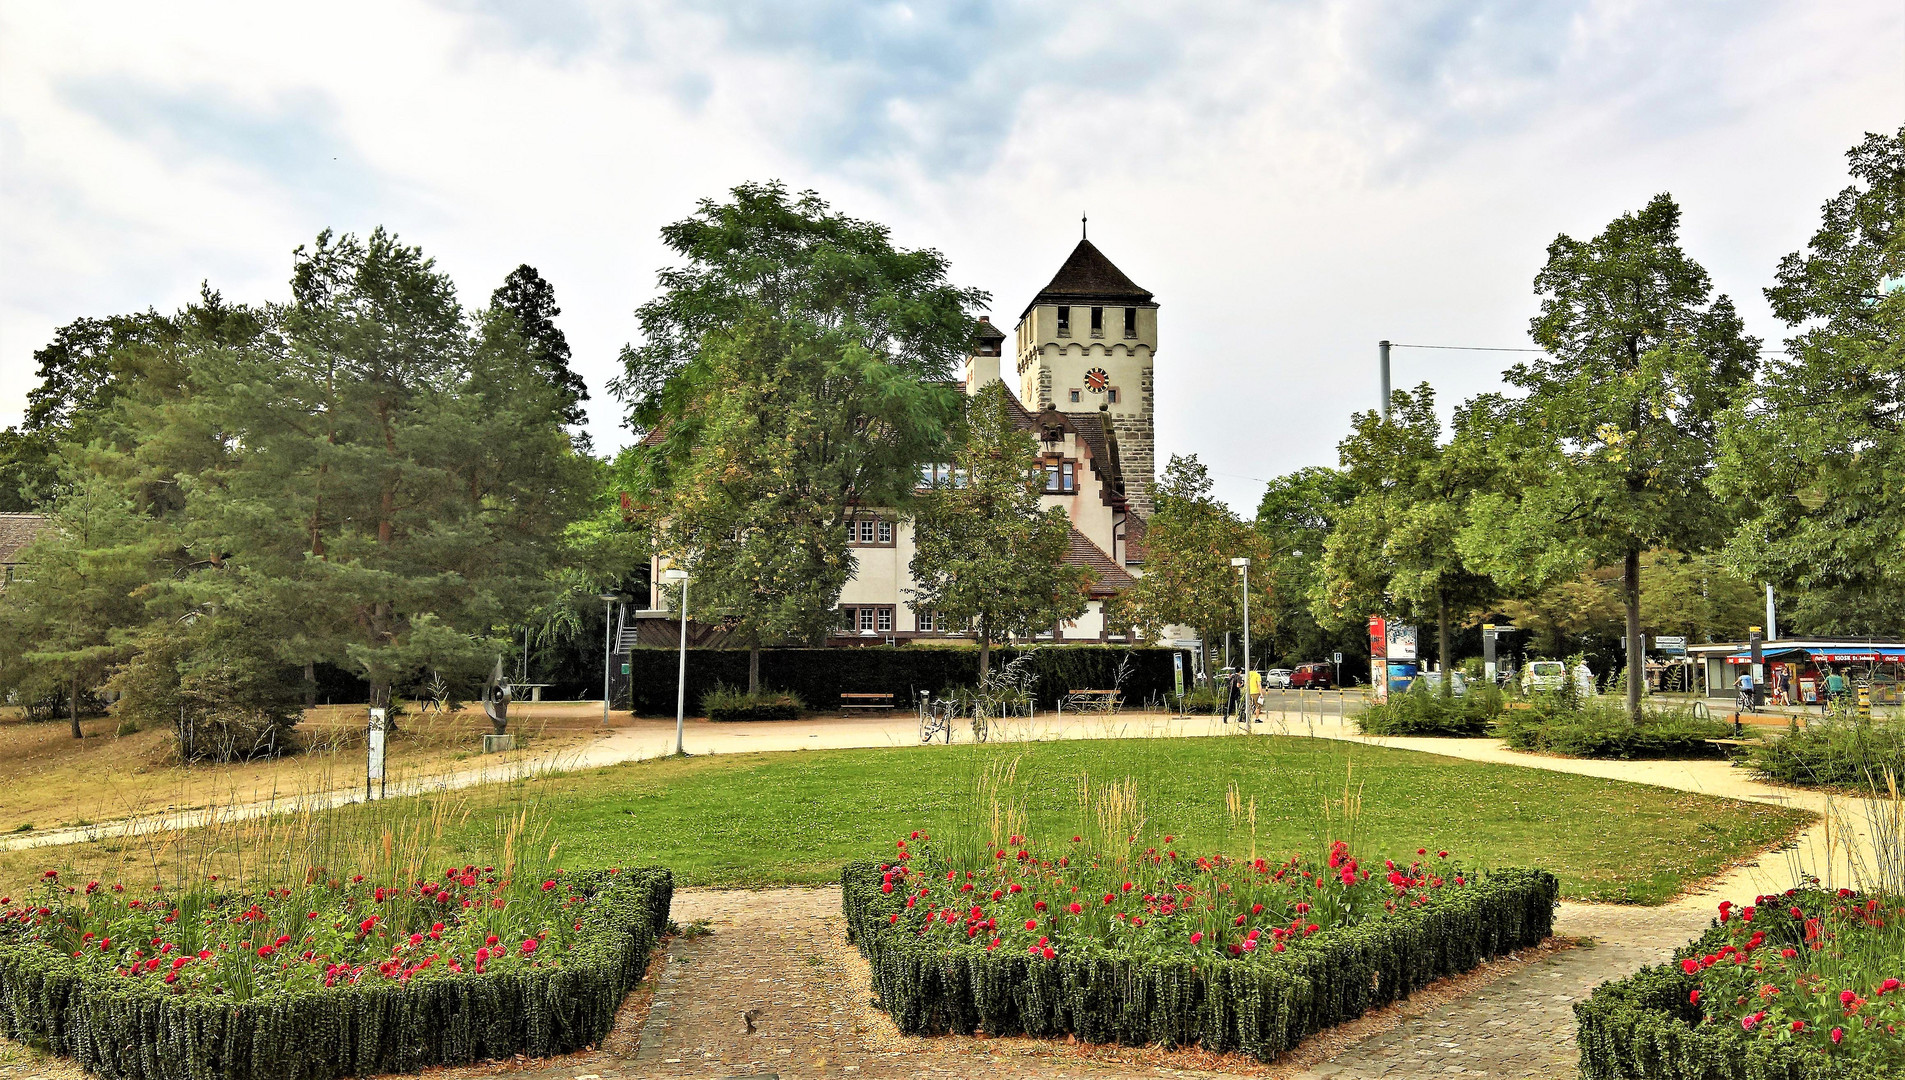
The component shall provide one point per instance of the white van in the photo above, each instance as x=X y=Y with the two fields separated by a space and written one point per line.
x=1546 y=675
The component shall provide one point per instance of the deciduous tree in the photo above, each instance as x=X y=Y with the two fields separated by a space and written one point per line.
x=1640 y=359
x=986 y=554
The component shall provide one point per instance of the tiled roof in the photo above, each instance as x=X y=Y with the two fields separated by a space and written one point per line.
x=1094 y=431
x=1087 y=275
x=1110 y=577
x=1134 y=530
x=16 y=532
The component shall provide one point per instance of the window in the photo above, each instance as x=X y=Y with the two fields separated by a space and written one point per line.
x=867 y=615
x=1097 y=322
x=885 y=619
x=1074 y=395
x=1111 y=395
x=870 y=532
x=1061 y=477
x=927 y=621
x=1064 y=322
x=1130 y=322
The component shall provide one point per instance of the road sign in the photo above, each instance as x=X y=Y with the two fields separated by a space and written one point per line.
x=1339 y=665
x=1672 y=645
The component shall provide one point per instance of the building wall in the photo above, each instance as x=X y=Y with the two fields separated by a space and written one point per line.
x=1051 y=367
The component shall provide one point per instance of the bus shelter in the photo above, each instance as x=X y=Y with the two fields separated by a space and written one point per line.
x=1796 y=671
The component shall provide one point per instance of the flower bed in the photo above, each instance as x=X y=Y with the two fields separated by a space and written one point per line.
x=1422 y=710
x=1802 y=986
x=1245 y=956
x=337 y=977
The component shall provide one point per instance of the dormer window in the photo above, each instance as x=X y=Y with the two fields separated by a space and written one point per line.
x=1130 y=322
x=1064 y=322
x=1097 y=322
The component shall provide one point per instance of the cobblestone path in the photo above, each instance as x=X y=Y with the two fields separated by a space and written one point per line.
x=1522 y=1025
x=781 y=955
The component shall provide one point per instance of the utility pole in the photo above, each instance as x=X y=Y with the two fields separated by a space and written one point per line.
x=1772 y=623
x=1382 y=348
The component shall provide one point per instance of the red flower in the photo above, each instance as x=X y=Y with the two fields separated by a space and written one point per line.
x=529 y=945
x=1197 y=937
x=1076 y=908
x=1837 y=1034
x=1693 y=998
x=1031 y=924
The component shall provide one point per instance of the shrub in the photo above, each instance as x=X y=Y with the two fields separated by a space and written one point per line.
x=1802 y=986
x=1422 y=710
x=1856 y=753
x=1599 y=728
x=727 y=703
x=199 y=986
x=1227 y=955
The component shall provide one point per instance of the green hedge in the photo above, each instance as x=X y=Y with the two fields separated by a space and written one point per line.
x=121 y=1028
x=1261 y=1006
x=1853 y=753
x=1601 y=729
x=1643 y=1028
x=1422 y=710
x=819 y=676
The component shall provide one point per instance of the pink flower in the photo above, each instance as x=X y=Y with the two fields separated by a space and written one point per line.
x=529 y=945
x=1197 y=937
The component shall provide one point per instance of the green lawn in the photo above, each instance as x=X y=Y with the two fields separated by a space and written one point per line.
x=794 y=818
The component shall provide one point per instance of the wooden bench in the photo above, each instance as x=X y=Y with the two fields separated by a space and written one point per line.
x=866 y=701
x=1105 y=701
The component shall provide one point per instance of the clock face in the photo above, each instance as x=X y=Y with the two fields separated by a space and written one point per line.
x=1096 y=380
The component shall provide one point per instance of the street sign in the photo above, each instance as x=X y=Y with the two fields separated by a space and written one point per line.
x=1338 y=659
x=1672 y=645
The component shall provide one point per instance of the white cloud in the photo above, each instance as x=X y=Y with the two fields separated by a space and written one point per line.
x=1293 y=180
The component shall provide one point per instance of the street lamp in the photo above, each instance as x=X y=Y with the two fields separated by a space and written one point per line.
x=681 y=676
x=1244 y=565
x=608 y=648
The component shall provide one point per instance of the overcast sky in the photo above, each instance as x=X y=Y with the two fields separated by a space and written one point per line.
x=1293 y=180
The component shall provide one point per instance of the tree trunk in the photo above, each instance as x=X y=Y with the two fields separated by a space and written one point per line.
x=310 y=683
x=754 y=665
x=1442 y=643
x=985 y=647
x=73 y=702
x=1636 y=651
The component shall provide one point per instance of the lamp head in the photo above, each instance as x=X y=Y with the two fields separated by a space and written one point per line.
x=1240 y=562
x=674 y=573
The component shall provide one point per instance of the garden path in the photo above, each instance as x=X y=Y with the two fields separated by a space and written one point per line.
x=781 y=954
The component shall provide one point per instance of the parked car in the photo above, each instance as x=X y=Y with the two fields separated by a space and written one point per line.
x=1277 y=678
x=1546 y=675
x=1318 y=676
x=1458 y=682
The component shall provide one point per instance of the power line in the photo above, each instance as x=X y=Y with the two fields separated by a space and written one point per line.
x=1463 y=348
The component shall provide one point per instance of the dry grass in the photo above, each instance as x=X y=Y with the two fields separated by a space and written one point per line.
x=50 y=780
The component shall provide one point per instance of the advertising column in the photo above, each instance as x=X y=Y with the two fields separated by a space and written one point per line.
x=1379 y=657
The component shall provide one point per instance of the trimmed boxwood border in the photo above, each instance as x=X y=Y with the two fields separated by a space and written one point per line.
x=1642 y=1027
x=119 y=1028
x=1259 y=1007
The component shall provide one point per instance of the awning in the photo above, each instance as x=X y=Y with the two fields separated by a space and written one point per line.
x=1841 y=654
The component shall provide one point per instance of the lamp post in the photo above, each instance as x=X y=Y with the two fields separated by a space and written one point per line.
x=681 y=675
x=608 y=648
x=1244 y=565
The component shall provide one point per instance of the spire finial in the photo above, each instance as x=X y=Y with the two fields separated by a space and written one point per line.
x=1082 y=235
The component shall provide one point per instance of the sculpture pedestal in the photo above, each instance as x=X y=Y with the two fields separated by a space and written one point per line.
x=497 y=743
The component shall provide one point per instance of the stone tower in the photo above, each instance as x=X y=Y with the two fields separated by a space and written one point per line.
x=1085 y=344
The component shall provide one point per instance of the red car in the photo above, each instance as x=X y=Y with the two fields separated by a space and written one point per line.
x=1318 y=676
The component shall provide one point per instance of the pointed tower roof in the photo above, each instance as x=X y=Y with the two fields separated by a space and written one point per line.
x=1088 y=276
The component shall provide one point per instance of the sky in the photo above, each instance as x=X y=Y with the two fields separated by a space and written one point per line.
x=1293 y=180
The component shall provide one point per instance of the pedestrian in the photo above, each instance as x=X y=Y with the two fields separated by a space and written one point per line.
x=1233 y=693
x=1835 y=690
